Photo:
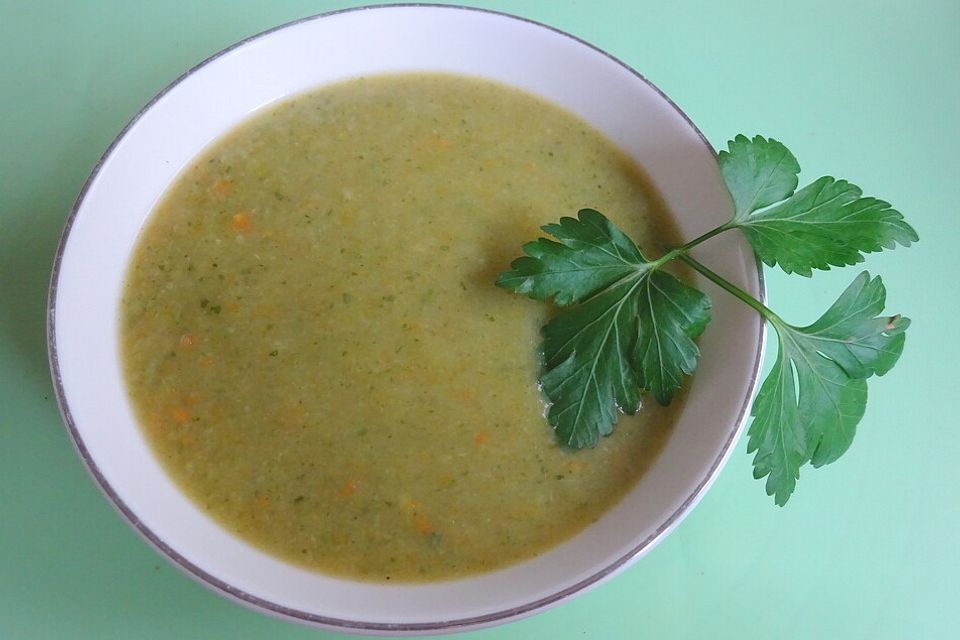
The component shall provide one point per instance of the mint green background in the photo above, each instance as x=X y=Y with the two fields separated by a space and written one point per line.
x=867 y=548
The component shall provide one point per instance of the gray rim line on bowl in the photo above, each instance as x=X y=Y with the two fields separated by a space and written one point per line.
x=245 y=598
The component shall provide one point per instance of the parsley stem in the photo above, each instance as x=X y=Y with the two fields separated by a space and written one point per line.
x=706 y=236
x=677 y=252
x=732 y=289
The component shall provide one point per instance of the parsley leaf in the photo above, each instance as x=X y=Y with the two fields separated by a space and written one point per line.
x=828 y=222
x=591 y=254
x=626 y=325
x=757 y=173
x=671 y=315
x=809 y=405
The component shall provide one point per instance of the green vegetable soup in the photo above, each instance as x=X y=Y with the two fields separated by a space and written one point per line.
x=317 y=354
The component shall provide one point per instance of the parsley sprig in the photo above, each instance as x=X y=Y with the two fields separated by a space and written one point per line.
x=626 y=326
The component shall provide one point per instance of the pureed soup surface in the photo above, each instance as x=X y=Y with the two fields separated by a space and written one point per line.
x=315 y=348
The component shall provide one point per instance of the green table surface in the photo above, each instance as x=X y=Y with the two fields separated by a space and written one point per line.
x=867 y=548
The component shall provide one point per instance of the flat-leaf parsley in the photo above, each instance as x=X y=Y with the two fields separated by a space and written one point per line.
x=626 y=326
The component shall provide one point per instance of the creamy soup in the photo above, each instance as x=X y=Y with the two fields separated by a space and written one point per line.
x=316 y=351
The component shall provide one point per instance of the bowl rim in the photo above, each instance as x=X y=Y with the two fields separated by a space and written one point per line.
x=257 y=603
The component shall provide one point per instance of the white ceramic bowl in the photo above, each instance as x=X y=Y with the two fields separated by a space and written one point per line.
x=216 y=95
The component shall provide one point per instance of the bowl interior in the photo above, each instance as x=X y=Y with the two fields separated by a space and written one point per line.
x=222 y=92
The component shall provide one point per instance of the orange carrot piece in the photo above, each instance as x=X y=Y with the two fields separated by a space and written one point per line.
x=241 y=221
x=422 y=523
x=348 y=489
x=222 y=187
